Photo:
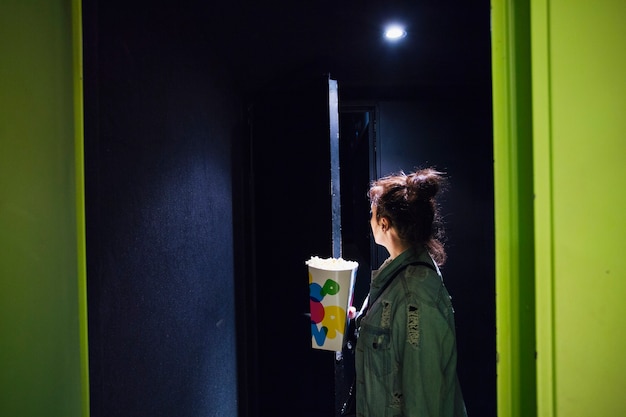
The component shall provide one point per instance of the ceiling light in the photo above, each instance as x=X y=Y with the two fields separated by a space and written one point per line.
x=395 y=32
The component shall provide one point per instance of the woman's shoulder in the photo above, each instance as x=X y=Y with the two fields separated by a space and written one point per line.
x=422 y=282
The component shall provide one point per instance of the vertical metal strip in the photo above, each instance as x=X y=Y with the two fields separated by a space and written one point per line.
x=333 y=110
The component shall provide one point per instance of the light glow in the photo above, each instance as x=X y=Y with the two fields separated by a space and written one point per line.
x=395 y=32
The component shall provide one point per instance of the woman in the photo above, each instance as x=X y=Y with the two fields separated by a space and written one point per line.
x=406 y=347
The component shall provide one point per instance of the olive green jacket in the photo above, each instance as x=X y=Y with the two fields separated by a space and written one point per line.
x=406 y=349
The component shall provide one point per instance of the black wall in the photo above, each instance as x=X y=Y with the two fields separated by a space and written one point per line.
x=290 y=177
x=161 y=120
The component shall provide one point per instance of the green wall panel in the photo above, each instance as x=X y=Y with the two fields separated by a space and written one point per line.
x=588 y=143
x=515 y=285
x=42 y=316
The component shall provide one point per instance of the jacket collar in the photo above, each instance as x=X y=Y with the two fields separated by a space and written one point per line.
x=390 y=267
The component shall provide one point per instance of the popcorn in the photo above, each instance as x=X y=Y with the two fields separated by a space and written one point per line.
x=331 y=264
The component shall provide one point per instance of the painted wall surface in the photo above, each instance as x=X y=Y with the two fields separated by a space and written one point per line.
x=514 y=219
x=162 y=121
x=41 y=361
x=580 y=139
x=290 y=195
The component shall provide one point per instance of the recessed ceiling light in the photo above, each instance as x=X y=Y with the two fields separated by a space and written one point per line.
x=394 y=32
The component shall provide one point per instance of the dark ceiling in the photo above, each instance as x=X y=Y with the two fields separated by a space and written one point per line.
x=448 y=41
x=263 y=42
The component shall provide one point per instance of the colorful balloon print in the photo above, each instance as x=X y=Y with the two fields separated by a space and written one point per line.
x=326 y=321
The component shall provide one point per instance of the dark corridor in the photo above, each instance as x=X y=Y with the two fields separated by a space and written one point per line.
x=207 y=189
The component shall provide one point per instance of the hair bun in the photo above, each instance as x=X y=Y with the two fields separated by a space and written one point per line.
x=425 y=183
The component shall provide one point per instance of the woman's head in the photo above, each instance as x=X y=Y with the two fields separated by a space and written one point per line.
x=408 y=203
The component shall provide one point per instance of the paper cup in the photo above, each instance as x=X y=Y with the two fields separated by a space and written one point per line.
x=331 y=285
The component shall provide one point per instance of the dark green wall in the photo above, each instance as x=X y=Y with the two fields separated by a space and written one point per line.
x=40 y=242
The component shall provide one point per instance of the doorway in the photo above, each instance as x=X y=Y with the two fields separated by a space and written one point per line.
x=386 y=136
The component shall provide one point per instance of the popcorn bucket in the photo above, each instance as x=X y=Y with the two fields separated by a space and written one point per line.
x=331 y=285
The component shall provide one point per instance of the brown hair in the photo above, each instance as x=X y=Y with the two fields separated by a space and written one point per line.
x=408 y=202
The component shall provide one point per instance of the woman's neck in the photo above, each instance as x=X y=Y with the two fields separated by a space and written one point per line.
x=395 y=246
